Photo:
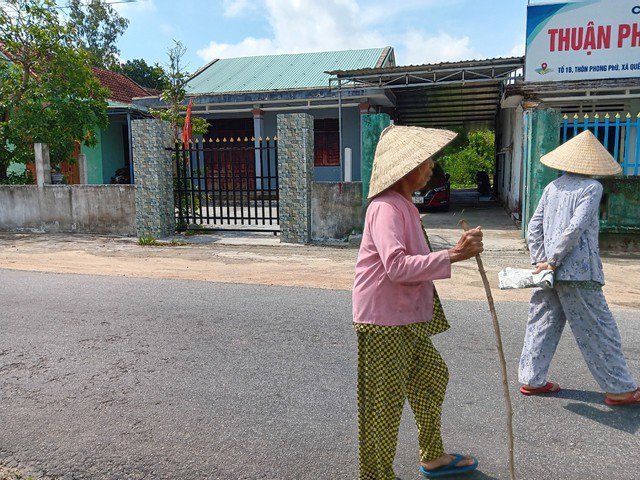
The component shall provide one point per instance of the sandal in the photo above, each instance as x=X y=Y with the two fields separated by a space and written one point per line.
x=548 y=388
x=632 y=399
x=450 y=469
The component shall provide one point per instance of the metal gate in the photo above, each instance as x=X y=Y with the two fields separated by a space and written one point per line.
x=228 y=184
x=618 y=136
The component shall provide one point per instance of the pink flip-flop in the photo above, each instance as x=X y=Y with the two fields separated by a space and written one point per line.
x=548 y=388
x=632 y=399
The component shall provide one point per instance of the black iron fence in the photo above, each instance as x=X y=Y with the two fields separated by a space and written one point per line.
x=229 y=184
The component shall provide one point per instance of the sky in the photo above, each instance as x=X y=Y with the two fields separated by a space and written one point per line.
x=421 y=31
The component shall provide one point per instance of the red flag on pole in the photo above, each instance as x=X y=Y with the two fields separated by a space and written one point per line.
x=186 y=131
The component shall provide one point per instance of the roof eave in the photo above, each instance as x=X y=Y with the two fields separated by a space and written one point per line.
x=274 y=96
x=429 y=67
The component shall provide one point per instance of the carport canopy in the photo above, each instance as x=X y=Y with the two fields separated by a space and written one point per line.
x=450 y=94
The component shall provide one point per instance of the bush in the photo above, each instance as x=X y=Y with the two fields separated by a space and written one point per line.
x=476 y=152
x=23 y=178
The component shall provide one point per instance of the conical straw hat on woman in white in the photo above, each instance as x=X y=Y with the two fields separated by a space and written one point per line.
x=584 y=155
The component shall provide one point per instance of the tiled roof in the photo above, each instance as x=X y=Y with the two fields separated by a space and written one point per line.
x=282 y=72
x=122 y=88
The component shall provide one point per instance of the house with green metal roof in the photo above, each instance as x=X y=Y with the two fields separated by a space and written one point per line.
x=241 y=97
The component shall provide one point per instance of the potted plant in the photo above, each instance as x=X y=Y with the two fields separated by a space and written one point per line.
x=57 y=177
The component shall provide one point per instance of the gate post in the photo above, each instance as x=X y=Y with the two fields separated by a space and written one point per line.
x=153 y=173
x=371 y=126
x=43 y=164
x=542 y=135
x=295 y=172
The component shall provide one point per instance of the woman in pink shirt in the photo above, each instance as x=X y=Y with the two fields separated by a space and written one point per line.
x=396 y=309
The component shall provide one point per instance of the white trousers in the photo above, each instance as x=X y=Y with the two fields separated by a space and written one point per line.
x=593 y=326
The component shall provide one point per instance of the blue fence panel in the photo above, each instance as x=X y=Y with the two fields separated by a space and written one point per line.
x=625 y=144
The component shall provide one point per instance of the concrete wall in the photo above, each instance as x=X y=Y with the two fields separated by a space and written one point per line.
x=336 y=210
x=98 y=209
x=621 y=206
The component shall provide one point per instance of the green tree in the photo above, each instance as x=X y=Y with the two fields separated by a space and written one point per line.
x=471 y=153
x=96 y=27
x=150 y=76
x=174 y=95
x=48 y=93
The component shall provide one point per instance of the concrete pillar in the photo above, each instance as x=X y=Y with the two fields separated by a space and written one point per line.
x=348 y=164
x=153 y=169
x=295 y=172
x=542 y=135
x=258 y=132
x=43 y=164
x=82 y=167
x=371 y=126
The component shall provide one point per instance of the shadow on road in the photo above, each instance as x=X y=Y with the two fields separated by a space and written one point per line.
x=625 y=419
x=476 y=475
x=580 y=395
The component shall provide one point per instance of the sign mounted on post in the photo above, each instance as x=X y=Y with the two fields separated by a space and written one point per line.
x=587 y=40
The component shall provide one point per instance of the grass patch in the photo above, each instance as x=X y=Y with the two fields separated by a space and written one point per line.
x=174 y=243
x=150 y=241
x=147 y=240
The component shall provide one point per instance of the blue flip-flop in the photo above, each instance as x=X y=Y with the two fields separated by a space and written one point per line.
x=450 y=468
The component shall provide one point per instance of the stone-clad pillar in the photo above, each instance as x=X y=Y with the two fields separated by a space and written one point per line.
x=153 y=170
x=295 y=173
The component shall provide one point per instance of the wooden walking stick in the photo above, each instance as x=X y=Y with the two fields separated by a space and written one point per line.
x=503 y=363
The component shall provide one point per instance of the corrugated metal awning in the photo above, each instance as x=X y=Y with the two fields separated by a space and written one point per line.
x=444 y=94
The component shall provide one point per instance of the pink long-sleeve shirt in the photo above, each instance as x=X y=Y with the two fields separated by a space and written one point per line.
x=395 y=269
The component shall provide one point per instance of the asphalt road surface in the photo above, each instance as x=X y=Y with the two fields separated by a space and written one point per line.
x=119 y=378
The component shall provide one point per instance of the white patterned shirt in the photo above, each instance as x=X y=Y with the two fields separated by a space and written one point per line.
x=564 y=229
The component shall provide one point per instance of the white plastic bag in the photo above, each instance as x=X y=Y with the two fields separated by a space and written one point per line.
x=524 y=278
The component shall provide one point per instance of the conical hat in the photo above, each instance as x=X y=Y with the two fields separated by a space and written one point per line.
x=582 y=154
x=402 y=149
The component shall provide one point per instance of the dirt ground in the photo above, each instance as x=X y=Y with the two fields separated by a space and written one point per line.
x=277 y=264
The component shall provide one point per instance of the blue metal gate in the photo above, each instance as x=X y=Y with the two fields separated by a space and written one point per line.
x=619 y=136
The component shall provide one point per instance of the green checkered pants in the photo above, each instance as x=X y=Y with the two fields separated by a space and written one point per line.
x=396 y=364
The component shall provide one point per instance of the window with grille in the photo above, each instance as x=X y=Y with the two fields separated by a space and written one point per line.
x=327 y=142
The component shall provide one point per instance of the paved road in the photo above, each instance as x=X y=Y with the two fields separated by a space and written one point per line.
x=112 y=378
